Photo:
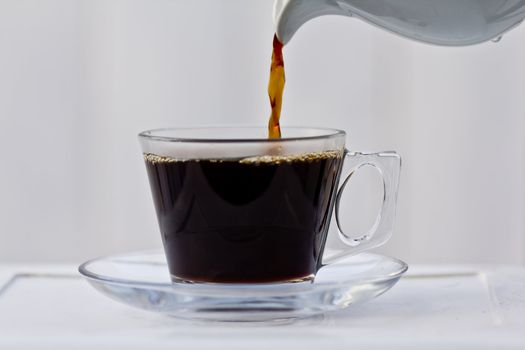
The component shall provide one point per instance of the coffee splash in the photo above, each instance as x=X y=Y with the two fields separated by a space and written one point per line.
x=276 y=88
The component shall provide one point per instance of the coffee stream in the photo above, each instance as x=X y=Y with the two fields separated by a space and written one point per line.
x=276 y=88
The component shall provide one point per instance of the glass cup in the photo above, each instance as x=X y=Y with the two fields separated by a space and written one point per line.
x=236 y=207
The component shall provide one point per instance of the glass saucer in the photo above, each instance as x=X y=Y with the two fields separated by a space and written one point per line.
x=142 y=280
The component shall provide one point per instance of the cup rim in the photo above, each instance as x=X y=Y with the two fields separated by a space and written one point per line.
x=153 y=134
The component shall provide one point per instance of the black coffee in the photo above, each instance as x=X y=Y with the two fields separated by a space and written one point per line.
x=254 y=220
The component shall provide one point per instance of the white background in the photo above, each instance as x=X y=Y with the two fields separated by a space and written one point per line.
x=79 y=79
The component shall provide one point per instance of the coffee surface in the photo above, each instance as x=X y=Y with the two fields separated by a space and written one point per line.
x=251 y=220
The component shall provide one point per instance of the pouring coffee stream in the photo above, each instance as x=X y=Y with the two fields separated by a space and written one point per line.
x=276 y=89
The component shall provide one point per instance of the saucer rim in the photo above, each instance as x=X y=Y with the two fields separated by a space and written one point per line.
x=84 y=271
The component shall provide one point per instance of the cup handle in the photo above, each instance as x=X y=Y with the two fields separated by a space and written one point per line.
x=388 y=164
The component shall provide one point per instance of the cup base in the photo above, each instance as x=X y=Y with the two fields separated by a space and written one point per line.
x=306 y=279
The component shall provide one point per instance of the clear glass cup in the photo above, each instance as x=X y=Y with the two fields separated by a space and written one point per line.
x=236 y=207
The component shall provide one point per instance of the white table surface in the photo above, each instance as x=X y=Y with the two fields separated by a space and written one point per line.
x=447 y=307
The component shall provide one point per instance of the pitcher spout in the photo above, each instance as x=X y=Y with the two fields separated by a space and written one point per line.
x=290 y=15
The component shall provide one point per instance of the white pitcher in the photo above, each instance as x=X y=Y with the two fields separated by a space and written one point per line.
x=440 y=22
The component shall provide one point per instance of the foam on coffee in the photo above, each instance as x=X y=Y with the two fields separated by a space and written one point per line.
x=264 y=159
x=278 y=159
